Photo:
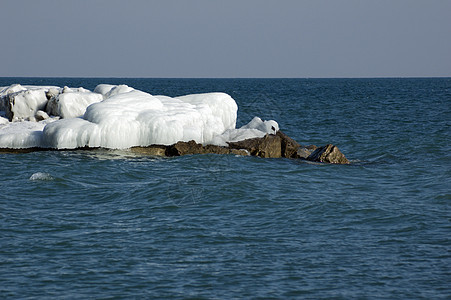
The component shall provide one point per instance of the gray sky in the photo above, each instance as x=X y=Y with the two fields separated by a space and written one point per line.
x=227 y=38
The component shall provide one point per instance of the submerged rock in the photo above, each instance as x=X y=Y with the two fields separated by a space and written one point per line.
x=153 y=150
x=328 y=154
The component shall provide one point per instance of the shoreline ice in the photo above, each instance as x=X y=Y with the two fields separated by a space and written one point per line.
x=118 y=117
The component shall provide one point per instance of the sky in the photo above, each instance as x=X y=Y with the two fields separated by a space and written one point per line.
x=225 y=38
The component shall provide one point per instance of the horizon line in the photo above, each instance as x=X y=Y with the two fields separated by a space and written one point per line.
x=125 y=77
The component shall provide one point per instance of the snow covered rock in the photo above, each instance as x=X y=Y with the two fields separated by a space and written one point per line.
x=256 y=128
x=41 y=115
x=19 y=135
x=103 y=89
x=121 y=117
x=23 y=105
x=3 y=121
x=71 y=103
x=128 y=117
x=5 y=91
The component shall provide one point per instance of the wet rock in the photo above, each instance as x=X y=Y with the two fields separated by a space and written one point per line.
x=153 y=150
x=191 y=147
x=328 y=154
x=289 y=147
x=302 y=153
x=185 y=148
x=269 y=146
x=223 y=150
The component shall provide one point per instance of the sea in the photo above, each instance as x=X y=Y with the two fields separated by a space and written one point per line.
x=113 y=224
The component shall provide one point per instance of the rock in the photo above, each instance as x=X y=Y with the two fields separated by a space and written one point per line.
x=4 y=99
x=52 y=104
x=103 y=89
x=23 y=105
x=191 y=147
x=269 y=146
x=52 y=93
x=154 y=150
x=70 y=103
x=289 y=147
x=328 y=154
x=242 y=152
x=302 y=153
x=184 y=148
x=311 y=147
x=41 y=115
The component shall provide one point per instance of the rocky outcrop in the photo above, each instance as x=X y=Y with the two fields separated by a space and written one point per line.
x=70 y=103
x=289 y=147
x=27 y=103
x=328 y=154
x=186 y=148
x=24 y=104
x=269 y=146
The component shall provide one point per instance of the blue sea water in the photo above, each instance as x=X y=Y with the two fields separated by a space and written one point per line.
x=113 y=224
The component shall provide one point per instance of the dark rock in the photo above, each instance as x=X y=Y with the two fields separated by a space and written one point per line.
x=191 y=147
x=328 y=154
x=292 y=149
x=269 y=146
x=184 y=148
x=224 y=150
x=302 y=153
x=289 y=147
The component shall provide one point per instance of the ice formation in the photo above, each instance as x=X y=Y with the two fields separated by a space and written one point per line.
x=117 y=117
x=41 y=176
